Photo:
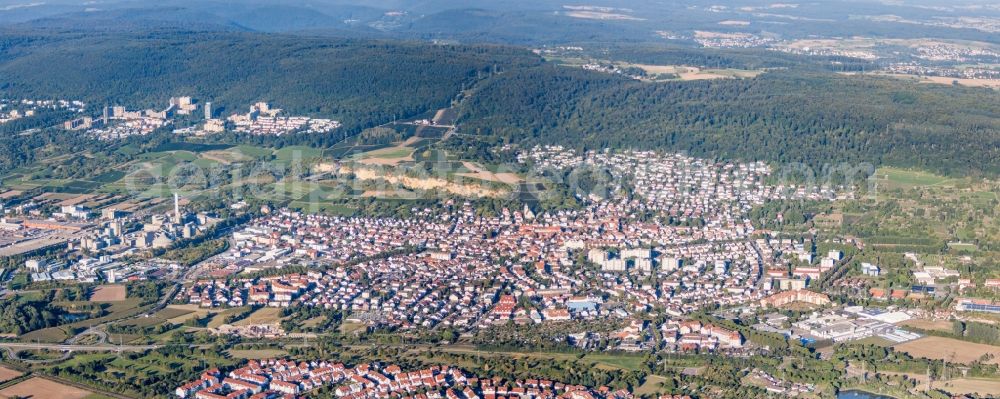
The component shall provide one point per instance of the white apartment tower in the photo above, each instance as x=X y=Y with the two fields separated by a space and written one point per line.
x=177 y=209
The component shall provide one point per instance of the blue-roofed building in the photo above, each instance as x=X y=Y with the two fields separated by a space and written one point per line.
x=585 y=305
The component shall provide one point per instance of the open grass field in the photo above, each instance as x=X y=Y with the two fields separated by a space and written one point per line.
x=147 y=174
x=253 y=151
x=51 y=334
x=40 y=354
x=349 y=328
x=108 y=293
x=285 y=190
x=930 y=325
x=617 y=361
x=18 y=183
x=109 y=177
x=949 y=349
x=142 y=173
x=212 y=155
x=390 y=152
x=261 y=316
x=40 y=388
x=146 y=321
x=386 y=156
x=651 y=386
x=349 y=148
x=219 y=318
x=908 y=178
x=293 y=153
x=225 y=157
x=112 y=181
x=313 y=322
x=168 y=314
x=962 y=246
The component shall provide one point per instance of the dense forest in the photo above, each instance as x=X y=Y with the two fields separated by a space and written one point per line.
x=359 y=82
x=798 y=112
x=791 y=115
x=20 y=316
x=726 y=58
x=362 y=83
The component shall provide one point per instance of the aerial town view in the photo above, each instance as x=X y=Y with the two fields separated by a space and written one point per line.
x=464 y=199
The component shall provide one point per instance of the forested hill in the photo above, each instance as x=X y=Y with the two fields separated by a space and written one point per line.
x=793 y=114
x=784 y=116
x=360 y=82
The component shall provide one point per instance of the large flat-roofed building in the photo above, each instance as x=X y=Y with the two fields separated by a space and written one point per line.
x=977 y=305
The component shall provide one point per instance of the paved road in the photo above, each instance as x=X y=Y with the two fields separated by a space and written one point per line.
x=12 y=354
x=102 y=337
x=67 y=350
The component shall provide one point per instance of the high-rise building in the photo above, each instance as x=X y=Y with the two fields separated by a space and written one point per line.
x=79 y=123
x=111 y=275
x=177 y=209
x=208 y=110
x=182 y=105
x=181 y=102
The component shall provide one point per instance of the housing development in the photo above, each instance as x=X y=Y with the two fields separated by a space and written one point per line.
x=472 y=199
x=276 y=378
x=624 y=273
x=117 y=122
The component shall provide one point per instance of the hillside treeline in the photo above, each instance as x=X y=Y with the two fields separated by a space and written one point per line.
x=359 y=82
x=815 y=118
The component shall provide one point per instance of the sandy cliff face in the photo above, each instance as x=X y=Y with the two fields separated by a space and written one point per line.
x=391 y=176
